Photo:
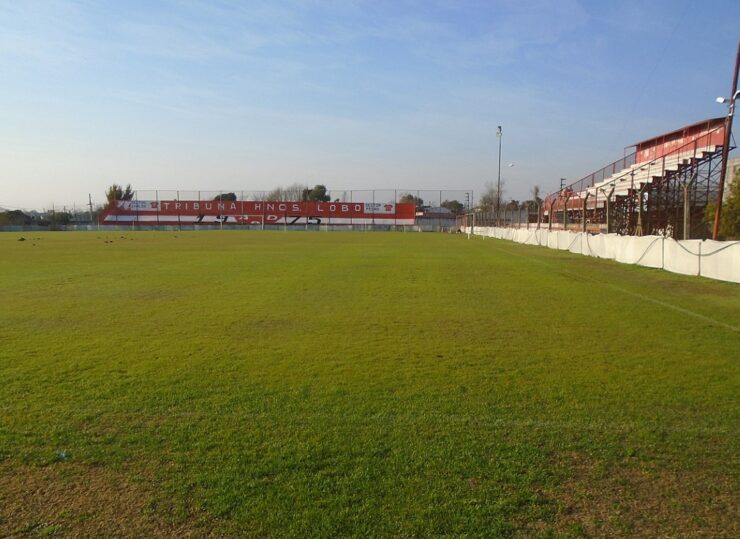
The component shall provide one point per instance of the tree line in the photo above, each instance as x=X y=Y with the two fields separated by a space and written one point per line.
x=299 y=192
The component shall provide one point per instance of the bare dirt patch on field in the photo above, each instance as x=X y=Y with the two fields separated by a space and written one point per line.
x=71 y=500
x=628 y=501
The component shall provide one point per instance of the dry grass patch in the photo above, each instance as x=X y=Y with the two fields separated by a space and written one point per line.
x=628 y=501
x=73 y=500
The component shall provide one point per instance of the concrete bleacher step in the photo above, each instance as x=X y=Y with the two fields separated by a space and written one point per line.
x=634 y=177
x=669 y=165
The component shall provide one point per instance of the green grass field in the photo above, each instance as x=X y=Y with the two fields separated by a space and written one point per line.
x=360 y=384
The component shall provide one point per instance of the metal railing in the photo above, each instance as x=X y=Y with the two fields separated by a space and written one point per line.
x=571 y=195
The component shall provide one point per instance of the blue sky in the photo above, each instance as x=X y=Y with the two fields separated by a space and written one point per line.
x=354 y=94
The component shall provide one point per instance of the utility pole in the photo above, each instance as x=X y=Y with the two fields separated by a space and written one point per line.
x=499 y=134
x=726 y=146
x=89 y=205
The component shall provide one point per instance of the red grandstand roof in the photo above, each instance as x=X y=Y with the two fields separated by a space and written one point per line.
x=709 y=124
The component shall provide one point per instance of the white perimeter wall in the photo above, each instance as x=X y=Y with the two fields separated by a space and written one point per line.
x=713 y=259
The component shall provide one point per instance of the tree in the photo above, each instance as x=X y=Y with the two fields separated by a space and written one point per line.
x=536 y=198
x=15 y=217
x=275 y=194
x=58 y=218
x=318 y=193
x=729 y=224
x=292 y=193
x=117 y=192
x=454 y=206
x=490 y=196
x=226 y=197
x=533 y=204
x=411 y=199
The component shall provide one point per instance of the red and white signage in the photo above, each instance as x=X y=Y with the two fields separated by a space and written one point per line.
x=210 y=212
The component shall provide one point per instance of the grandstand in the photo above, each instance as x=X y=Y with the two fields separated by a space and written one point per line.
x=369 y=209
x=663 y=186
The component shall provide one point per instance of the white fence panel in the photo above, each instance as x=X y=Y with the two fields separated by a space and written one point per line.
x=611 y=242
x=645 y=250
x=562 y=239
x=621 y=250
x=542 y=237
x=533 y=237
x=713 y=259
x=652 y=257
x=575 y=246
x=682 y=256
x=593 y=245
x=599 y=245
x=721 y=260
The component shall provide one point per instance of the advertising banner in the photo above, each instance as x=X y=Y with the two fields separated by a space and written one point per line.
x=210 y=212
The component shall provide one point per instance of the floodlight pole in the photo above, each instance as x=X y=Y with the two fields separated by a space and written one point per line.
x=726 y=147
x=89 y=204
x=499 y=134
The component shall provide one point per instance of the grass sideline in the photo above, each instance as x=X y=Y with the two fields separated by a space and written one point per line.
x=377 y=384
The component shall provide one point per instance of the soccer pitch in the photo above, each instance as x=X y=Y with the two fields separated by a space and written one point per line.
x=375 y=384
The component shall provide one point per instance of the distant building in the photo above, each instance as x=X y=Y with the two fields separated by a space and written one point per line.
x=431 y=216
x=435 y=212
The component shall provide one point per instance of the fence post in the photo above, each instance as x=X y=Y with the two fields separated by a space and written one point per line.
x=439 y=216
x=662 y=252
x=373 y=217
x=585 y=203
x=136 y=217
x=686 y=214
x=699 y=257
